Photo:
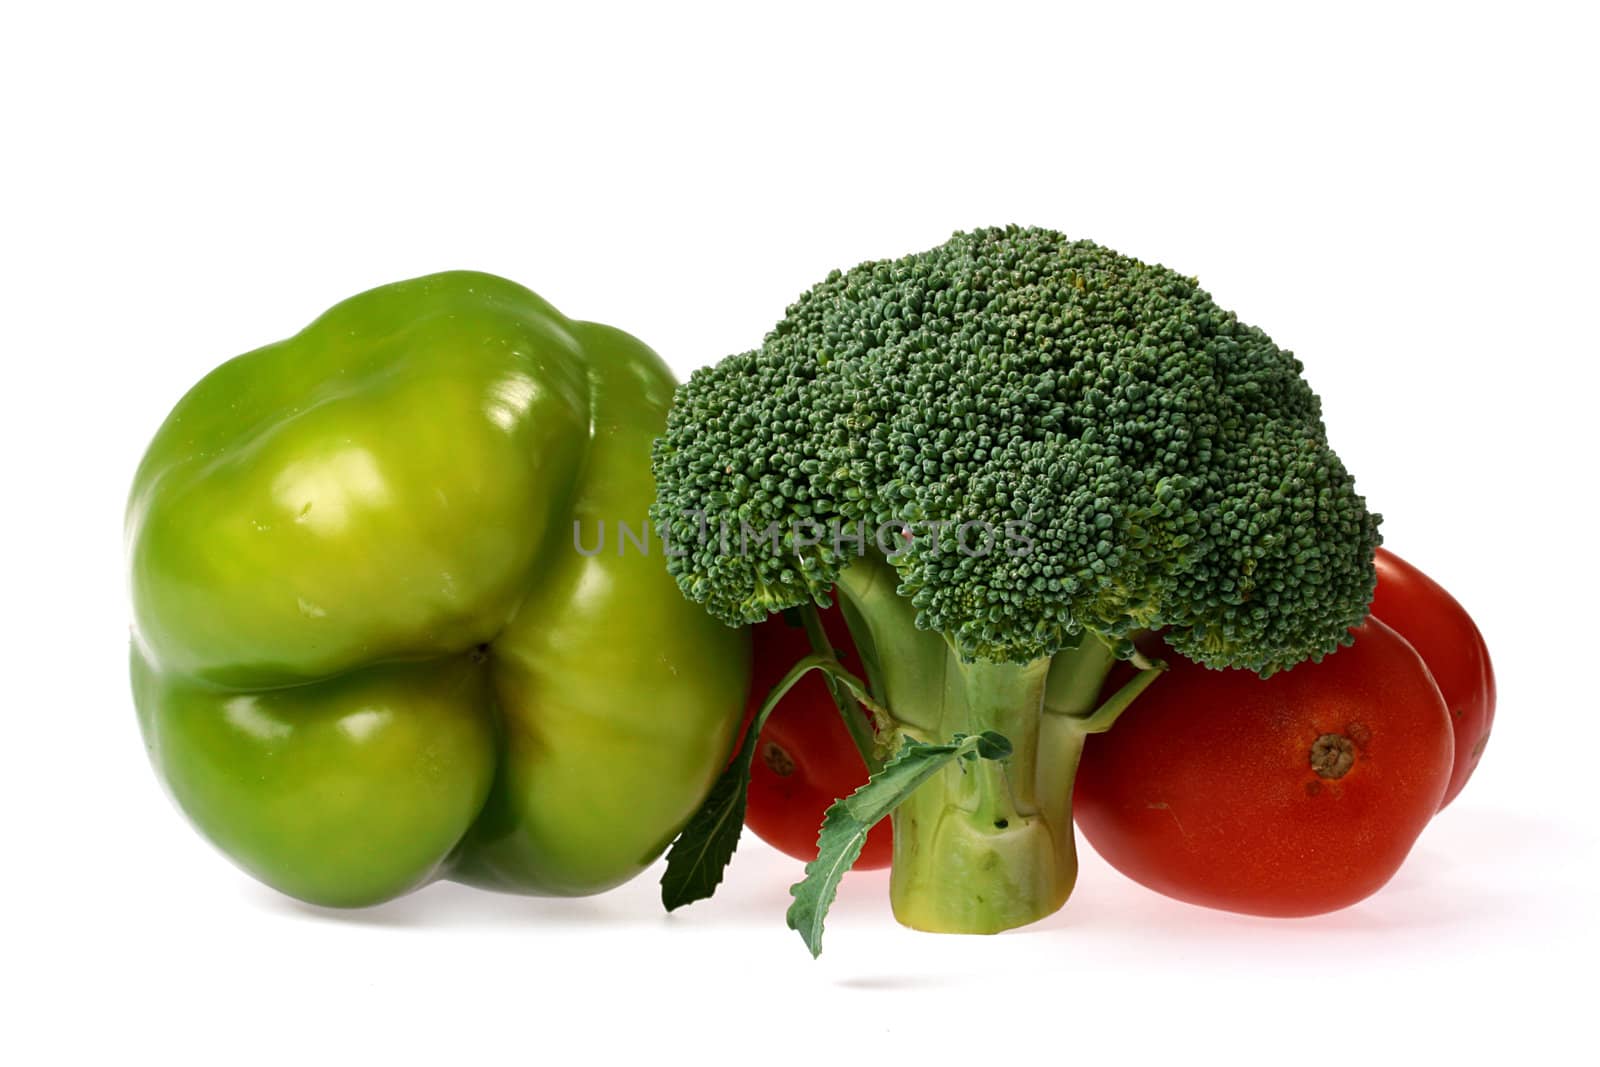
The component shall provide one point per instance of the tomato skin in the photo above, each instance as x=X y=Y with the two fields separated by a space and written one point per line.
x=1205 y=791
x=805 y=758
x=1442 y=632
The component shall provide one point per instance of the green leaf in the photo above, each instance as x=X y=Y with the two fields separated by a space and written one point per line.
x=705 y=846
x=847 y=822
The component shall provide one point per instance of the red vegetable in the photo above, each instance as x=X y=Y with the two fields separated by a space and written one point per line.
x=1293 y=795
x=1442 y=632
x=805 y=759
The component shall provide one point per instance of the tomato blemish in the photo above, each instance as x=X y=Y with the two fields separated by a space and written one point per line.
x=1332 y=755
x=777 y=760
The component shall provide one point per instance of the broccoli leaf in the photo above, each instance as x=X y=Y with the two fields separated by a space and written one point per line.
x=845 y=826
x=705 y=846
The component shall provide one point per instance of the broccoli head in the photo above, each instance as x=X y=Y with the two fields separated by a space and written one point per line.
x=1046 y=439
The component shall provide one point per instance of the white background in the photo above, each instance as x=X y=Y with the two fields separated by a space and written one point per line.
x=1404 y=196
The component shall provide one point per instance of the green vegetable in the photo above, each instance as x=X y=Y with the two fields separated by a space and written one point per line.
x=697 y=858
x=848 y=821
x=1007 y=456
x=368 y=649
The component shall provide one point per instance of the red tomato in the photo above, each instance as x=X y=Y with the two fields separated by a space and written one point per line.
x=1443 y=633
x=1293 y=795
x=805 y=759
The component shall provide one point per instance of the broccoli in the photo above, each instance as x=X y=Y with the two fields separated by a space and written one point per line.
x=1008 y=457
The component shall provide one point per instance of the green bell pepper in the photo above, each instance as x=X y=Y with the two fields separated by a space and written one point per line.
x=368 y=649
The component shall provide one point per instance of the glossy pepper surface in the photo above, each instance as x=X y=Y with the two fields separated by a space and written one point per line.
x=388 y=626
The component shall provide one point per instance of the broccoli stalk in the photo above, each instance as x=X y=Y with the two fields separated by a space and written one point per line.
x=989 y=847
x=1131 y=457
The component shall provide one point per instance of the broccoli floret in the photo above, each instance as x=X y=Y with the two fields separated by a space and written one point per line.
x=1122 y=454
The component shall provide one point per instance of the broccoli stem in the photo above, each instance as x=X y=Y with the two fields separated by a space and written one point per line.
x=980 y=848
x=986 y=846
x=861 y=731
